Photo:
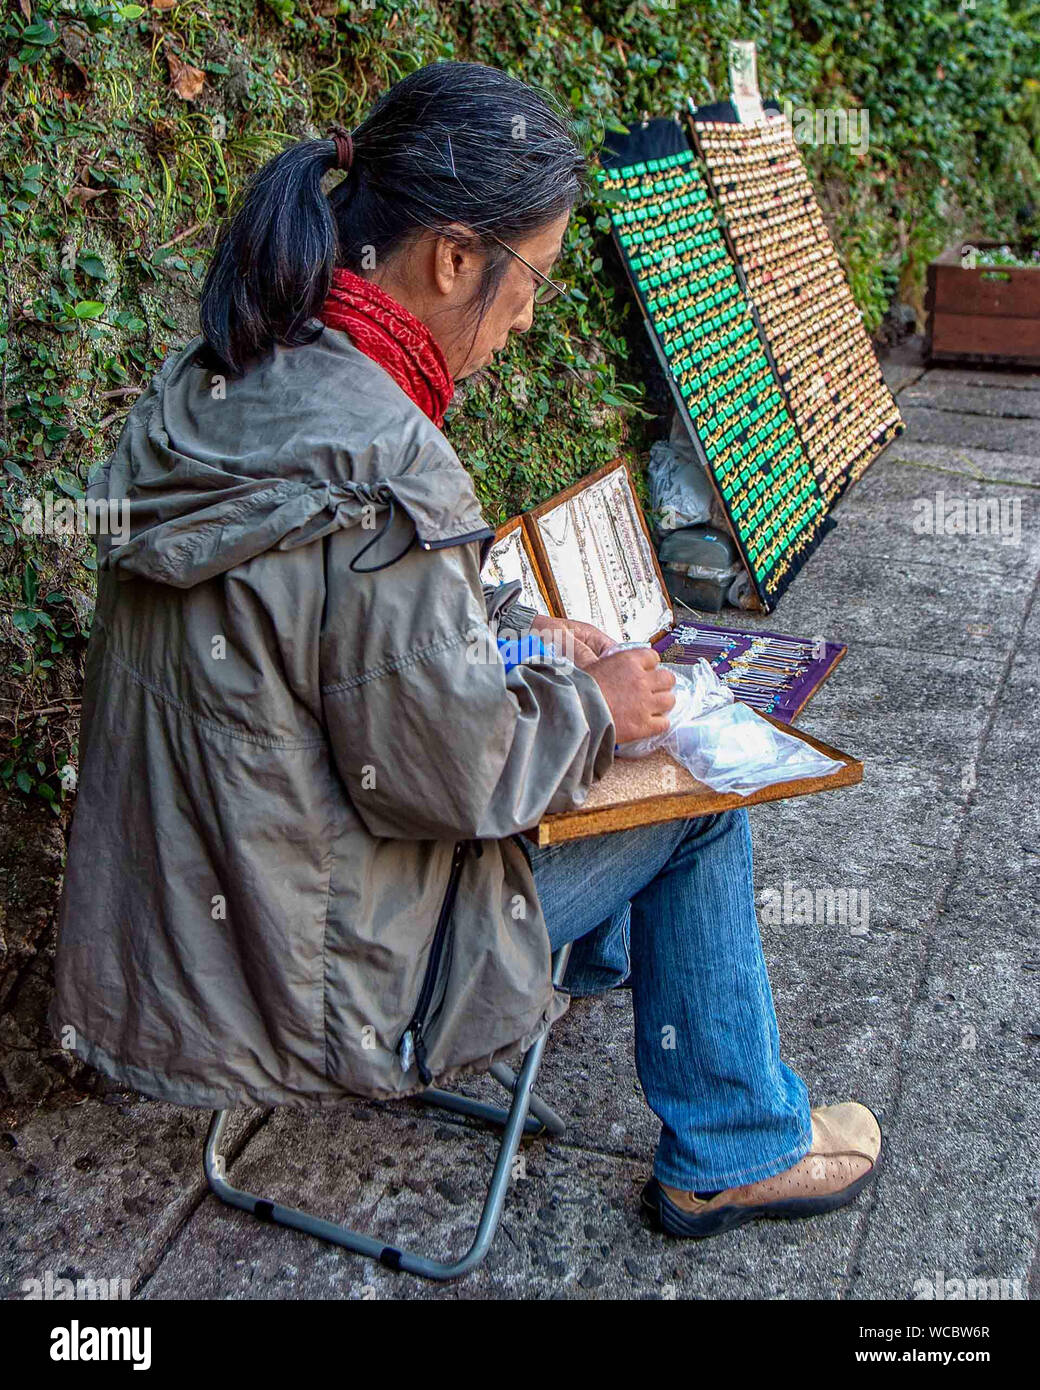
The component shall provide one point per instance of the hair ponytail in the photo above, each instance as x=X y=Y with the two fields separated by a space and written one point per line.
x=273 y=264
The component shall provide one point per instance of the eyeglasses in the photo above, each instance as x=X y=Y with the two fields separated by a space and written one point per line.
x=548 y=289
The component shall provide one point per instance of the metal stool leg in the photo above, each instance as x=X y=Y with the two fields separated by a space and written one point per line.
x=548 y=1121
x=389 y=1255
x=478 y=1110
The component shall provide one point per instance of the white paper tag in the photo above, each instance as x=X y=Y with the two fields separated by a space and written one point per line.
x=743 y=81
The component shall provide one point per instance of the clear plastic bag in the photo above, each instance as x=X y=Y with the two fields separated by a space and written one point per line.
x=724 y=743
x=733 y=749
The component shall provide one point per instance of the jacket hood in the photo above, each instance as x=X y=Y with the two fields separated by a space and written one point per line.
x=210 y=472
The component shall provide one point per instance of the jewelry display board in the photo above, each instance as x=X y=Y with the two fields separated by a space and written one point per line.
x=769 y=671
x=510 y=558
x=597 y=560
x=646 y=791
x=831 y=376
x=723 y=380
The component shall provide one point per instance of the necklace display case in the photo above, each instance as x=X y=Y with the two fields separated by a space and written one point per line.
x=510 y=558
x=593 y=548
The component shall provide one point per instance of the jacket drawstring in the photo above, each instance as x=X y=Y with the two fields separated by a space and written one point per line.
x=373 y=569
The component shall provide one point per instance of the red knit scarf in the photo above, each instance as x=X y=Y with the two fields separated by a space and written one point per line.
x=385 y=331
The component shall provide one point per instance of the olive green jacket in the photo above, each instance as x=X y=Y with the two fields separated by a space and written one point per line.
x=283 y=758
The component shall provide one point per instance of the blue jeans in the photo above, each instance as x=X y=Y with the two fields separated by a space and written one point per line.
x=671 y=907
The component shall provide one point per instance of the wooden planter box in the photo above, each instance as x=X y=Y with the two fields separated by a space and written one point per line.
x=989 y=314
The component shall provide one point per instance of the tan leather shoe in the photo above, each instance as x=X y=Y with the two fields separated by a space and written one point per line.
x=846 y=1147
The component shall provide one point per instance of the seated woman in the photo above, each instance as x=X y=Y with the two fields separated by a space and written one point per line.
x=296 y=872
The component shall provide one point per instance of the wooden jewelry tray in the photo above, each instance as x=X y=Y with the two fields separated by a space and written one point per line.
x=654 y=789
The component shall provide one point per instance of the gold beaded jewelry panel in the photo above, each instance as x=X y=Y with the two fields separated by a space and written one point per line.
x=834 y=385
x=509 y=559
x=596 y=558
x=723 y=380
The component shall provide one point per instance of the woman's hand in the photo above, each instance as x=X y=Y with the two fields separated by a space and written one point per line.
x=638 y=691
x=579 y=642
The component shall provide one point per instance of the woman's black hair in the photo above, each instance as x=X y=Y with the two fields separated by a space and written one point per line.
x=451 y=144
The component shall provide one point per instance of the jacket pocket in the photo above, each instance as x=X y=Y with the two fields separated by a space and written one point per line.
x=412 y=1046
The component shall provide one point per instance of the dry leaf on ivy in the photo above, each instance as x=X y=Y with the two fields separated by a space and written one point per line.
x=186 y=81
x=164 y=4
x=83 y=193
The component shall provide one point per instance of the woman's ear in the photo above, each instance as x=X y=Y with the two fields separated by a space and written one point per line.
x=457 y=260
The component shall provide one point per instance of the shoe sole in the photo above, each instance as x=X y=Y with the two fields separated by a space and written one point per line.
x=673 y=1222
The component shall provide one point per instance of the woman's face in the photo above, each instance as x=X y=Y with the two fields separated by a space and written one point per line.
x=438 y=278
x=512 y=308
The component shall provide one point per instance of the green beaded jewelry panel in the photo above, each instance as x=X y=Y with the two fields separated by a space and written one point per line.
x=828 y=368
x=720 y=372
